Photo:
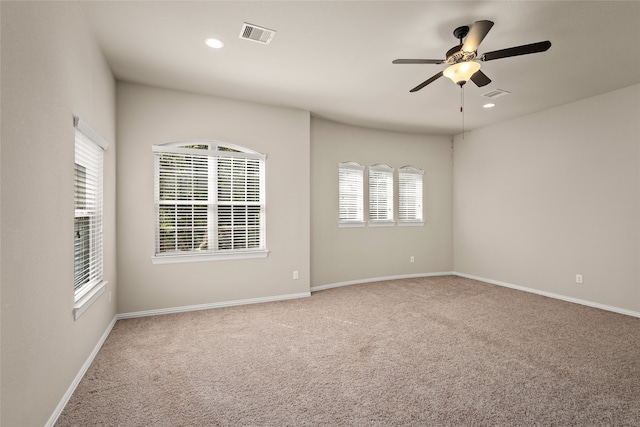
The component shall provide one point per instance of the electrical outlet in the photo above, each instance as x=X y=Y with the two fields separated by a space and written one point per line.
x=295 y=275
x=412 y=259
x=578 y=278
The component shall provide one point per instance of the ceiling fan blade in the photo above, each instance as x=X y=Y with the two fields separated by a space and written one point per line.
x=426 y=82
x=516 y=51
x=480 y=79
x=477 y=33
x=418 y=61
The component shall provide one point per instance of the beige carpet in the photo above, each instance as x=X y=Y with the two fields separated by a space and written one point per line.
x=442 y=351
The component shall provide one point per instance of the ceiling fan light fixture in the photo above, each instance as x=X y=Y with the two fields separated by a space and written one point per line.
x=461 y=72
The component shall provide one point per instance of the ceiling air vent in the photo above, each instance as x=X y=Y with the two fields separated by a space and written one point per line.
x=496 y=93
x=256 y=34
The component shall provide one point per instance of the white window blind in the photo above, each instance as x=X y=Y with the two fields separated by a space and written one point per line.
x=182 y=194
x=240 y=206
x=380 y=194
x=88 y=184
x=209 y=200
x=350 y=194
x=410 y=195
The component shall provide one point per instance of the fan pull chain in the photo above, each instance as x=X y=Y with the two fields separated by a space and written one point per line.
x=462 y=107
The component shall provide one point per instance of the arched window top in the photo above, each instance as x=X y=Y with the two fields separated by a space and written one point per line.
x=208 y=148
x=225 y=146
x=351 y=165
x=411 y=169
x=381 y=167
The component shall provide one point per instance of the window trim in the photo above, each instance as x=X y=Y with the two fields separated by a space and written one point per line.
x=196 y=257
x=79 y=124
x=89 y=292
x=212 y=151
x=88 y=298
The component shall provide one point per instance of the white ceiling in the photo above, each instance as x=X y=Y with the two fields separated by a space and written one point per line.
x=334 y=58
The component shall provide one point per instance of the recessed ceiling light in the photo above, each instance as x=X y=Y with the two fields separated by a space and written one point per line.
x=214 y=43
x=489 y=105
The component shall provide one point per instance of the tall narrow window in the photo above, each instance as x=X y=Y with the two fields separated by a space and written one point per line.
x=380 y=195
x=410 y=196
x=350 y=195
x=209 y=202
x=88 y=239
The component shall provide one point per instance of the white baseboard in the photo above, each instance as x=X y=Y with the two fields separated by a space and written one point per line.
x=553 y=295
x=379 y=279
x=65 y=399
x=211 y=305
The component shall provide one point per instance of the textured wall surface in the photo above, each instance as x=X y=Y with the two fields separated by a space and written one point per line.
x=547 y=196
x=347 y=254
x=52 y=69
x=149 y=116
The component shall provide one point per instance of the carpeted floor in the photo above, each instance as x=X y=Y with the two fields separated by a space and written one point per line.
x=439 y=351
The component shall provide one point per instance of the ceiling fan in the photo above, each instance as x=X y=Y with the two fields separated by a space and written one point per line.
x=462 y=58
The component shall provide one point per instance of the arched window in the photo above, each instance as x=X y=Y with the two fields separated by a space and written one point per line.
x=350 y=194
x=380 y=195
x=209 y=199
x=410 y=195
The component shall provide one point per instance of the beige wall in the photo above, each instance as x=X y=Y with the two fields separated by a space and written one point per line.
x=544 y=197
x=148 y=116
x=352 y=254
x=52 y=69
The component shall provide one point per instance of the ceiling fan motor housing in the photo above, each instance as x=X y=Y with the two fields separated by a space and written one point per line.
x=456 y=54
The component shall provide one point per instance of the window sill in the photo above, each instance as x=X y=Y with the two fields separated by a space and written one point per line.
x=87 y=299
x=411 y=224
x=381 y=223
x=195 y=257
x=350 y=224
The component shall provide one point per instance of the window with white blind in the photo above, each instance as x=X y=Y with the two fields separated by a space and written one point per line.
x=380 y=195
x=88 y=281
x=410 y=196
x=350 y=194
x=210 y=202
